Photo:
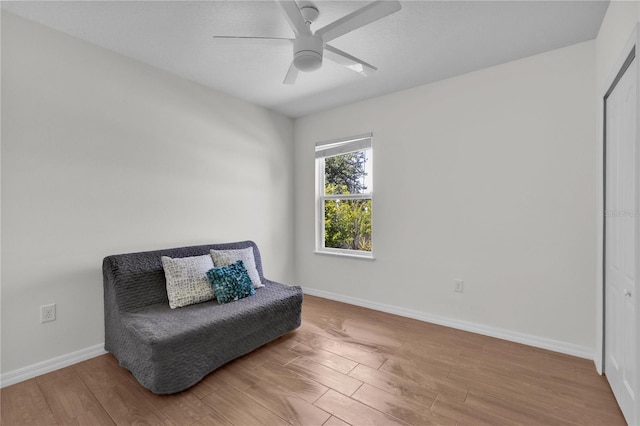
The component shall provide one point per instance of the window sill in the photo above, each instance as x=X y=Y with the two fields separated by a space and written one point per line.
x=344 y=254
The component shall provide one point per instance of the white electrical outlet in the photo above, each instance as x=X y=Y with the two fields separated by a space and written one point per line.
x=458 y=286
x=48 y=313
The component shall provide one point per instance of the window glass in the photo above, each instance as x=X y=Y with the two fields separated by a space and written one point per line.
x=348 y=173
x=344 y=196
x=347 y=224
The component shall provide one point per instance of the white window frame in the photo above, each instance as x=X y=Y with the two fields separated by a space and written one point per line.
x=329 y=149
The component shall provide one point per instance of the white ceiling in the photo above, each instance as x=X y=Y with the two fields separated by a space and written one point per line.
x=424 y=42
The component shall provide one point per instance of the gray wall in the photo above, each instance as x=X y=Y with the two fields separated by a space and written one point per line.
x=103 y=155
x=487 y=177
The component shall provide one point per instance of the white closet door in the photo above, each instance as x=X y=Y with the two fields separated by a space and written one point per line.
x=621 y=242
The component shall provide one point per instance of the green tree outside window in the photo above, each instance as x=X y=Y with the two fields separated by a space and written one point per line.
x=347 y=222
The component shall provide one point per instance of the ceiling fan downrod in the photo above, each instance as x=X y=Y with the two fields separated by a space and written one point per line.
x=307 y=49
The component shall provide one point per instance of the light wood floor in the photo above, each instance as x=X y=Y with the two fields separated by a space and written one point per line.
x=344 y=365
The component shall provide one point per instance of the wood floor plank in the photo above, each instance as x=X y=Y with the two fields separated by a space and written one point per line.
x=128 y=405
x=466 y=414
x=52 y=375
x=299 y=335
x=303 y=336
x=334 y=421
x=286 y=405
x=326 y=358
x=277 y=351
x=532 y=364
x=24 y=404
x=395 y=385
x=182 y=408
x=401 y=408
x=354 y=327
x=313 y=328
x=236 y=374
x=528 y=356
x=325 y=375
x=103 y=372
x=208 y=385
x=294 y=383
x=437 y=359
x=359 y=355
x=521 y=394
x=71 y=402
x=236 y=407
x=251 y=360
x=425 y=377
x=354 y=412
x=406 y=365
x=522 y=414
x=563 y=399
x=212 y=419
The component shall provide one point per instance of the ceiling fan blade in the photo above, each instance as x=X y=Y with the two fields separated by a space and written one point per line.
x=361 y=17
x=294 y=17
x=348 y=61
x=292 y=75
x=251 y=41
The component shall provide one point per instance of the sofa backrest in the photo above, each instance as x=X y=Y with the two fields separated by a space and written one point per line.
x=134 y=280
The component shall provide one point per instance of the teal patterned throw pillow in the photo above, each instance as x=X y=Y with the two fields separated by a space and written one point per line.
x=231 y=282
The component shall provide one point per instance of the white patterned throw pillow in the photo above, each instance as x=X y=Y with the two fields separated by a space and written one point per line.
x=187 y=281
x=228 y=257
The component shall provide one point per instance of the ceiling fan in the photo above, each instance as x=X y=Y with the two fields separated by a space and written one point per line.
x=310 y=47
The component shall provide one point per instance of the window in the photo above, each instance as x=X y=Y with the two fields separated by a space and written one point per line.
x=344 y=196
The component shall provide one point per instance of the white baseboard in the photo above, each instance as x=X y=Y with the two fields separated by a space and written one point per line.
x=513 y=336
x=31 y=371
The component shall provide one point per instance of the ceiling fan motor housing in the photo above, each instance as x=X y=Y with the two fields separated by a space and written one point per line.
x=307 y=52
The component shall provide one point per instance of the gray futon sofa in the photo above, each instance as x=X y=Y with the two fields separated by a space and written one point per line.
x=169 y=350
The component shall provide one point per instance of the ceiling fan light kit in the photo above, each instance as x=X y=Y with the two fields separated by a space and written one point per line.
x=307 y=53
x=308 y=47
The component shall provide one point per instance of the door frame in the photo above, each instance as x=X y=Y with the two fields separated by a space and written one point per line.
x=630 y=50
